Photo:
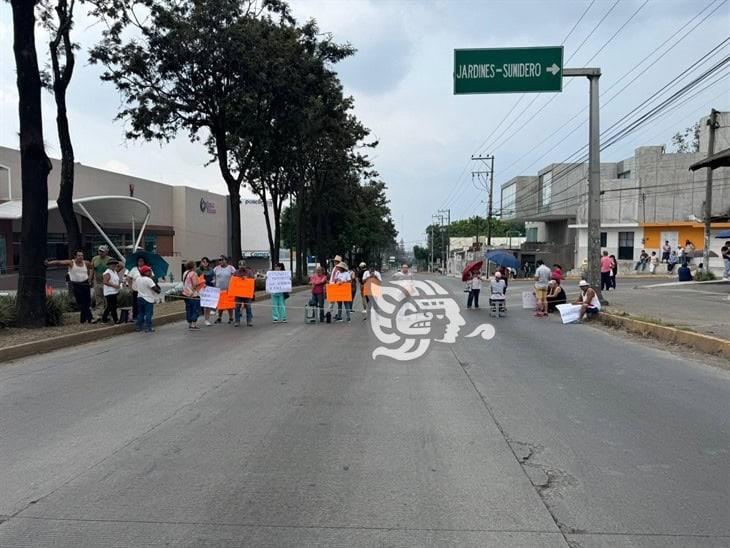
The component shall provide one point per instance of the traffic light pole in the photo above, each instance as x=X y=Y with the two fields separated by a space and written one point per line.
x=594 y=178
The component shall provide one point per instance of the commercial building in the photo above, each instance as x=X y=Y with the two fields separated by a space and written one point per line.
x=646 y=199
x=184 y=223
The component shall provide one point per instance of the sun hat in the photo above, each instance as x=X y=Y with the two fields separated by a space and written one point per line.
x=583 y=283
x=343 y=266
x=363 y=264
x=103 y=247
x=337 y=259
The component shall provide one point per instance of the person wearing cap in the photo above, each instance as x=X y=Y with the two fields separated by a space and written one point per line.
x=342 y=276
x=111 y=281
x=99 y=263
x=243 y=272
x=332 y=279
x=147 y=290
x=588 y=300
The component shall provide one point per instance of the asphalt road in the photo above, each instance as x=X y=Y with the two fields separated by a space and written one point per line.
x=292 y=435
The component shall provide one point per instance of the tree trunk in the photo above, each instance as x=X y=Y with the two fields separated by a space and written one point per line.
x=35 y=166
x=234 y=193
x=61 y=78
x=273 y=253
x=301 y=268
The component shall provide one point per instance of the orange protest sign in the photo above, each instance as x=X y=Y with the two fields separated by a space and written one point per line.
x=226 y=301
x=241 y=287
x=339 y=293
x=371 y=288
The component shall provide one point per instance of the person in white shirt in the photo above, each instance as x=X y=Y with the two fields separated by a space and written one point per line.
x=131 y=278
x=147 y=290
x=112 y=282
x=223 y=272
x=475 y=287
x=343 y=276
x=542 y=277
x=374 y=277
x=404 y=273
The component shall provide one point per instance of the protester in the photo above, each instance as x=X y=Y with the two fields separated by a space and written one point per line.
x=556 y=295
x=680 y=256
x=131 y=278
x=725 y=252
x=475 y=287
x=243 y=272
x=526 y=270
x=147 y=289
x=614 y=270
x=653 y=262
x=206 y=277
x=497 y=294
x=643 y=261
x=112 y=283
x=332 y=279
x=684 y=273
x=278 y=301
x=343 y=277
x=222 y=273
x=689 y=251
x=590 y=304
x=542 y=277
x=354 y=275
x=606 y=268
x=318 y=281
x=557 y=273
x=370 y=274
x=666 y=250
x=404 y=273
x=504 y=271
x=99 y=263
x=361 y=270
x=80 y=273
x=671 y=261
x=191 y=292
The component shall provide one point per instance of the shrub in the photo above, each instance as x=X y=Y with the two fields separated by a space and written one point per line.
x=7 y=310
x=705 y=276
x=57 y=305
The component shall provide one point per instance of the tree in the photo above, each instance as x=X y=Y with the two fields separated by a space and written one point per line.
x=194 y=66
x=61 y=50
x=688 y=140
x=35 y=167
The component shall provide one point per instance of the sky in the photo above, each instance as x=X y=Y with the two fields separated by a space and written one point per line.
x=401 y=79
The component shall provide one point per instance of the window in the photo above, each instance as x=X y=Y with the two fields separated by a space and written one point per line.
x=625 y=175
x=509 y=193
x=626 y=246
x=546 y=188
x=531 y=234
x=604 y=239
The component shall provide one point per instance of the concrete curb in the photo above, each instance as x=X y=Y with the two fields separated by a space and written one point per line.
x=15 y=352
x=703 y=343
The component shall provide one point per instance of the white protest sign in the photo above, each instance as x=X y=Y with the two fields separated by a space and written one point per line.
x=569 y=313
x=529 y=302
x=209 y=297
x=278 y=281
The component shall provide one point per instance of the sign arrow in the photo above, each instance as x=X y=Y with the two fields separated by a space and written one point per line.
x=553 y=70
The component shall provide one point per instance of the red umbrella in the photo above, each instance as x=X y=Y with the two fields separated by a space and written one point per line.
x=471 y=267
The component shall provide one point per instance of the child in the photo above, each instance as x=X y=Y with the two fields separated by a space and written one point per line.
x=147 y=290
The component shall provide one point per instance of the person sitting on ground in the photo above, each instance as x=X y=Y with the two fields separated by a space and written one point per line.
x=556 y=295
x=671 y=261
x=684 y=273
x=590 y=304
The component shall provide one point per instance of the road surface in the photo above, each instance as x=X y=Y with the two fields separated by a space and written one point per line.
x=292 y=435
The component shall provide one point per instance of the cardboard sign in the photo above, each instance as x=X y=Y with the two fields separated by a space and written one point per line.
x=371 y=288
x=241 y=287
x=529 y=302
x=278 y=281
x=209 y=297
x=339 y=293
x=226 y=301
x=569 y=313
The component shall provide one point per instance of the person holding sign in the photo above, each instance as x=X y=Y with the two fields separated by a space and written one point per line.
x=246 y=273
x=223 y=272
x=343 y=277
x=191 y=292
x=278 y=301
x=369 y=277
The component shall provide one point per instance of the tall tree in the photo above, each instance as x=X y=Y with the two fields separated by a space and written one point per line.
x=61 y=50
x=35 y=167
x=192 y=66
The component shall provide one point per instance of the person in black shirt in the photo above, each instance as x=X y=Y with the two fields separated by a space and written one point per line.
x=556 y=295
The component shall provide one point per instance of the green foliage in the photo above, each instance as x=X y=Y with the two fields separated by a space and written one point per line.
x=57 y=305
x=705 y=276
x=688 y=140
x=477 y=225
x=7 y=311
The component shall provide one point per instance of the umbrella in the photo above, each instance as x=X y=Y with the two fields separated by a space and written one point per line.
x=471 y=267
x=723 y=234
x=158 y=265
x=502 y=258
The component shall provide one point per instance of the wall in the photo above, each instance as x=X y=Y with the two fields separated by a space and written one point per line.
x=200 y=230
x=254 y=236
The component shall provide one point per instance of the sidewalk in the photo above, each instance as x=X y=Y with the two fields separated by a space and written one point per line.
x=702 y=307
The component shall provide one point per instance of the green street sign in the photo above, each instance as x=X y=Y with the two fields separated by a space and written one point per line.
x=508 y=70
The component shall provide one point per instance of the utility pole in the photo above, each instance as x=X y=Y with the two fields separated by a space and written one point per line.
x=434 y=219
x=488 y=161
x=712 y=122
x=447 y=213
x=594 y=178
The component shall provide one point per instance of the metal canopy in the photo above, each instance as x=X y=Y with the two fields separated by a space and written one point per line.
x=719 y=159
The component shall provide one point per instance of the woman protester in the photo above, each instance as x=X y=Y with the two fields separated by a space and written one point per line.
x=475 y=288
x=318 y=281
x=79 y=275
x=556 y=295
x=207 y=278
x=278 y=301
x=223 y=272
x=131 y=278
x=147 y=290
x=343 y=277
x=112 y=283
x=191 y=292
x=614 y=271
